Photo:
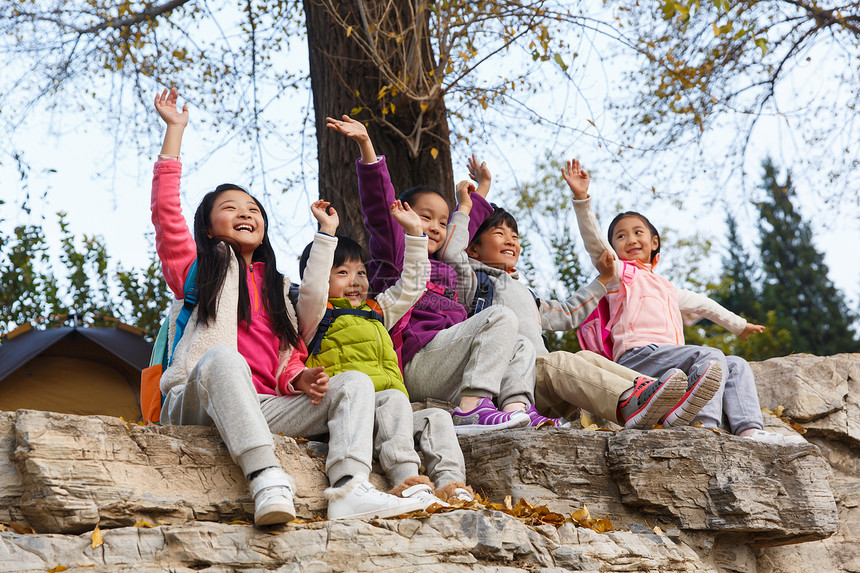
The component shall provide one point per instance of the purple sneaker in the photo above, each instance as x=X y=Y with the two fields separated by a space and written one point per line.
x=485 y=418
x=537 y=420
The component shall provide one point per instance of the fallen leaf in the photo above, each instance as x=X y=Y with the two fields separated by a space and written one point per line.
x=142 y=523
x=57 y=568
x=97 y=537
x=17 y=528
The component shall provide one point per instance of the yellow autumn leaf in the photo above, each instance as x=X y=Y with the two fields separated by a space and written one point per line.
x=98 y=538
x=57 y=569
x=434 y=153
x=142 y=523
x=348 y=31
x=508 y=504
x=585 y=420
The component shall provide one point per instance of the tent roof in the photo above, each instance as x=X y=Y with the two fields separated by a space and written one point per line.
x=132 y=349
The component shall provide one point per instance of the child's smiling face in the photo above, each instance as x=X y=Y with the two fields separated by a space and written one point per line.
x=349 y=280
x=633 y=240
x=237 y=217
x=497 y=247
x=434 y=214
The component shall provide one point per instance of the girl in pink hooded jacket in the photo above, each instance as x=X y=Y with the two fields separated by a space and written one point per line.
x=647 y=329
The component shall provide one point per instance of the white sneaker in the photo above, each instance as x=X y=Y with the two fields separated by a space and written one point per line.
x=358 y=499
x=273 y=493
x=463 y=494
x=423 y=493
x=775 y=439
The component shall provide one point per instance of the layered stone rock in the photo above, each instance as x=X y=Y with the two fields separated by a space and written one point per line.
x=722 y=501
x=695 y=479
x=461 y=540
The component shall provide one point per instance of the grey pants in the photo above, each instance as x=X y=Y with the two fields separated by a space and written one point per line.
x=736 y=399
x=393 y=445
x=220 y=392
x=398 y=430
x=482 y=356
x=434 y=433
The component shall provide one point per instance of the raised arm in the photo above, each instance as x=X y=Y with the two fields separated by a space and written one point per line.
x=376 y=194
x=579 y=182
x=313 y=291
x=177 y=121
x=396 y=300
x=453 y=251
x=173 y=240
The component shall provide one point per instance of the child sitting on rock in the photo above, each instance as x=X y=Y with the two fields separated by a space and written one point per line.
x=645 y=318
x=353 y=335
x=480 y=363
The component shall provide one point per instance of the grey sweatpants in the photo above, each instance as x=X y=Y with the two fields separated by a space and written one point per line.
x=736 y=399
x=397 y=432
x=220 y=392
x=434 y=433
x=482 y=356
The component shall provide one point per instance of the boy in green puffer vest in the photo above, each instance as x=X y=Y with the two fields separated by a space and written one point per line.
x=354 y=335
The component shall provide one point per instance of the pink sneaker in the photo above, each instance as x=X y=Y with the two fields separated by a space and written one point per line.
x=486 y=417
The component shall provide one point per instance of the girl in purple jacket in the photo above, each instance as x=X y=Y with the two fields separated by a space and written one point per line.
x=444 y=356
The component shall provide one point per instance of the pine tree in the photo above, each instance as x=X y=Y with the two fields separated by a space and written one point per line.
x=738 y=293
x=796 y=285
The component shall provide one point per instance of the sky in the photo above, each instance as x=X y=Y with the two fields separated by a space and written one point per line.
x=76 y=167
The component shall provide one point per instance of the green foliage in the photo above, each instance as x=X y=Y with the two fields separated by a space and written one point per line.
x=795 y=285
x=715 y=64
x=30 y=291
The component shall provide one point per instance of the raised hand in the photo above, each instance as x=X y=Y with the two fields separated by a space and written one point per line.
x=349 y=127
x=407 y=218
x=326 y=216
x=356 y=131
x=751 y=328
x=577 y=179
x=165 y=105
x=464 y=192
x=606 y=267
x=313 y=382
x=480 y=174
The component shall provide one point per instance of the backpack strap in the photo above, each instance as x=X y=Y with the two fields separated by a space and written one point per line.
x=331 y=314
x=448 y=293
x=293 y=294
x=190 y=295
x=483 y=293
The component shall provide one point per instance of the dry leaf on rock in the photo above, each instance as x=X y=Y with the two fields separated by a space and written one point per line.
x=16 y=527
x=97 y=537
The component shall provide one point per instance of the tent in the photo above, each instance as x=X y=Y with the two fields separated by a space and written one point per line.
x=74 y=369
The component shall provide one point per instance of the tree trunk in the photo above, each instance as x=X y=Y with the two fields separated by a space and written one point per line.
x=343 y=79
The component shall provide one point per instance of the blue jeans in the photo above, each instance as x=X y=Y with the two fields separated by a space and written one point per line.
x=736 y=400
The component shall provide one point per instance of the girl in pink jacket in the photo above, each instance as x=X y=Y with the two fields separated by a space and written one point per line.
x=239 y=363
x=647 y=328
